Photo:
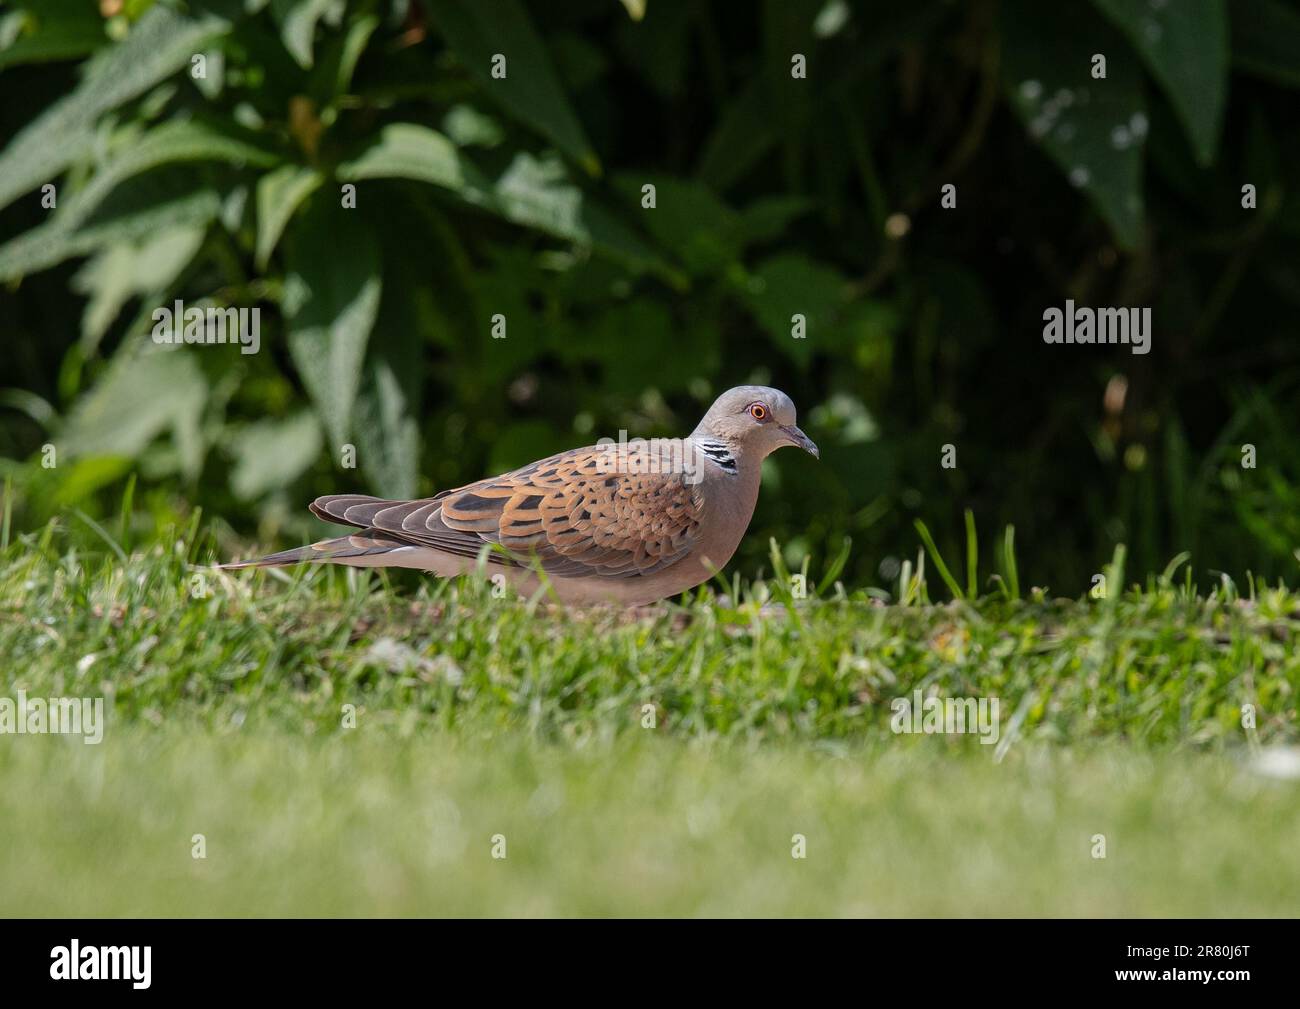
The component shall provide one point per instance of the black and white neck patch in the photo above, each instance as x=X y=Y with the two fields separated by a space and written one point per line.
x=718 y=451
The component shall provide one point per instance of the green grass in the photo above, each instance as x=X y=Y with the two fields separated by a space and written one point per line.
x=477 y=716
x=373 y=824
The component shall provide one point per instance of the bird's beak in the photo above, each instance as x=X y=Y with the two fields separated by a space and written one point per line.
x=801 y=440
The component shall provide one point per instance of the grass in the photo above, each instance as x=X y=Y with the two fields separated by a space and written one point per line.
x=654 y=762
x=372 y=824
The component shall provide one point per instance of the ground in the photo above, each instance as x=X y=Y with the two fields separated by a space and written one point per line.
x=335 y=743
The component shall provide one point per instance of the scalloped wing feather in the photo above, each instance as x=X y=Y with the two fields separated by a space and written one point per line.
x=570 y=512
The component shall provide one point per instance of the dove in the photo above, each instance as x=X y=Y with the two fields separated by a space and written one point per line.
x=627 y=522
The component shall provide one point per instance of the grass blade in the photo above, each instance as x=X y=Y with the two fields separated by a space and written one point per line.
x=8 y=513
x=128 y=500
x=102 y=533
x=837 y=566
x=1178 y=560
x=939 y=565
x=1115 y=576
x=1009 y=569
x=972 y=557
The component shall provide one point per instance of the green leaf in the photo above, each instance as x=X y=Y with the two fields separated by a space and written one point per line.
x=688 y=219
x=773 y=109
x=332 y=288
x=298 y=19
x=627 y=340
x=408 y=151
x=389 y=402
x=537 y=192
x=174 y=142
x=68 y=232
x=271 y=454
x=744 y=133
x=767 y=218
x=792 y=284
x=213 y=82
x=1266 y=40
x=109 y=280
x=533 y=192
x=747 y=129
x=129 y=269
x=388 y=435
x=468 y=127
x=333 y=75
x=479 y=30
x=1094 y=130
x=61 y=32
x=279 y=194
x=139 y=209
x=160 y=44
x=144 y=393
x=503 y=287
x=1185 y=46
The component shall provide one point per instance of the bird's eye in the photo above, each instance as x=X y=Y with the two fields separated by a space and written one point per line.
x=758 y=411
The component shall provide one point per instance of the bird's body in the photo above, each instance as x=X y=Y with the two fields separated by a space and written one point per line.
x=615 y=522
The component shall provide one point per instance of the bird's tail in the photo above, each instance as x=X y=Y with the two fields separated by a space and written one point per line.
x=340 y=550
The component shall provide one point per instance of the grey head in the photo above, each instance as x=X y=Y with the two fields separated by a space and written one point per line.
x=754 y=419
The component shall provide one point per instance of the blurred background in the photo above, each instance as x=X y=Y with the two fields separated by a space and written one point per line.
x=798 y=151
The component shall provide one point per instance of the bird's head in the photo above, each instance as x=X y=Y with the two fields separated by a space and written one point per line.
x=755 y=419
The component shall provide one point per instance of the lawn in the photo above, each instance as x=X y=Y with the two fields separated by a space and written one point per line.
x=346 y=743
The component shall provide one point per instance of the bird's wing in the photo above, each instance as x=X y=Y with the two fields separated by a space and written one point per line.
x=574 y=513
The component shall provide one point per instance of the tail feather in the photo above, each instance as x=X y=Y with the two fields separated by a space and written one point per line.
x=341 y=548
x=334 y=507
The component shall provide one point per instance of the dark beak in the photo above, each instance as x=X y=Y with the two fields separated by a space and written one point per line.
x=801 y=440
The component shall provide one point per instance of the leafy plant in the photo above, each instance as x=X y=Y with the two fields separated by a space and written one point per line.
x=647 y=199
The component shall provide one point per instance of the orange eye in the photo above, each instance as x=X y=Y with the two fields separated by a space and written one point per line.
x=758 y=411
